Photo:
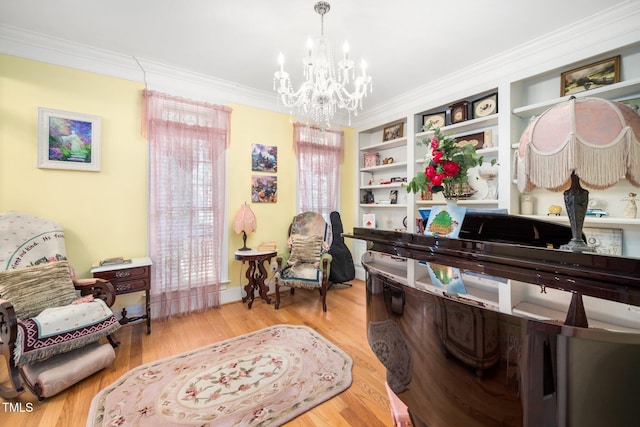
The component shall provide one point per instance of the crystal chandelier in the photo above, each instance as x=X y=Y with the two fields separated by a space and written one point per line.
x=322 y=92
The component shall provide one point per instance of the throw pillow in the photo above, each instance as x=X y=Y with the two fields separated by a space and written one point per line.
x=305 y=248
x=32 y=289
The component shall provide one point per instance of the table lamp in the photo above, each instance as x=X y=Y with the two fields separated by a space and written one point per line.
x=588 y=141
x=244 y=222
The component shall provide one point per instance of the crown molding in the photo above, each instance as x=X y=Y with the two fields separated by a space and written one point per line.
x=609 y=30
x=617 y=27
x=39 y=47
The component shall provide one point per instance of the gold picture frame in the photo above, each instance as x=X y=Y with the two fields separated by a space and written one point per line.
x=588 y=77
x=392 y=132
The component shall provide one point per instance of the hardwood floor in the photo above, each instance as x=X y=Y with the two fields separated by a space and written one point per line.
x=365 y=403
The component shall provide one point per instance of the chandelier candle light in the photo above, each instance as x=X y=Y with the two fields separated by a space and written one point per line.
x=323 y=91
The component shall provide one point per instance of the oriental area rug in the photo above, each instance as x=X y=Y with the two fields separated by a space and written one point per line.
x=264 y=378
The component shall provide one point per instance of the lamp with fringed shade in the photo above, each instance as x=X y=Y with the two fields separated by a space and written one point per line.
x=588 y=141
x=244 y=222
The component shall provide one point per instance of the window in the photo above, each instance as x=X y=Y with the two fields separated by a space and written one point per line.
x=187 y=212
x=319 y=153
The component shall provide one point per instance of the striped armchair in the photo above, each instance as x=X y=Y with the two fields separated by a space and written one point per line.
x=308 y=264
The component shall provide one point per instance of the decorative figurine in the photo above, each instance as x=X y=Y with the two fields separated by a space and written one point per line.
x=555 y=210
x=631 y=210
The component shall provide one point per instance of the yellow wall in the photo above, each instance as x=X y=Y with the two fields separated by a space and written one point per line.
x=104 y=213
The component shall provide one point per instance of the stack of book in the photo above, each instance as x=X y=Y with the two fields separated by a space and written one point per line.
x=267 y=246
x=115 y=261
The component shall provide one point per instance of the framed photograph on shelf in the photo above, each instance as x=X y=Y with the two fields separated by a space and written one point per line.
x=633 y=103
x=68 y=140
x=369 y=220
x=590 y=76
x=485 y=106
x=437 y=119
x=393 y=197
x=393 y=132
x=459 y=112
x=606 y=241
x=476 y=139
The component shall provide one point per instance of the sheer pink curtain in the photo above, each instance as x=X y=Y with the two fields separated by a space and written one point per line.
x=320 y=153
x=187 y=181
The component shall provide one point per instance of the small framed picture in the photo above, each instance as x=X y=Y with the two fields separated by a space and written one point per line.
x=68 y=140
x=437 y=120
x=634 y=103
x=459 y=112
x=393 y=197
x=369 y=220
x=590 y=76
x=485 y=106
x=393 y=132
x=476 y=140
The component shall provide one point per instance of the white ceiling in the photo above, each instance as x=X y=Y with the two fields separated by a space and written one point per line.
x=407 y=43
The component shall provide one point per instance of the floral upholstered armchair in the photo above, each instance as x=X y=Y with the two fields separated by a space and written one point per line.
x=308 y=264
x=50 y=323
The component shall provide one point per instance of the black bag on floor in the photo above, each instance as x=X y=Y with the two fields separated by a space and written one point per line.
x=342 y=268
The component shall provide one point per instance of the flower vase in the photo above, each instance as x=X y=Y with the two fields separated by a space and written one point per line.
x=490 y=174
x=451 y=203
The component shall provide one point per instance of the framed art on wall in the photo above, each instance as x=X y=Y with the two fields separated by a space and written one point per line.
x=264 y=158
x=68 y=140
x=264 y=189
x=591 y=76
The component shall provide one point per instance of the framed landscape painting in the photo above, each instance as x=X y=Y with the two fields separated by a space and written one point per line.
x=601 y=73
x=68 y=140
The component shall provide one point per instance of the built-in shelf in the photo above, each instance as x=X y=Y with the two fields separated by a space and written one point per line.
x=394 y=165
x=467 y=202
x=385 y=145
x=378 y=186
x=592 y=220
x=613 y=92
x=383 y=205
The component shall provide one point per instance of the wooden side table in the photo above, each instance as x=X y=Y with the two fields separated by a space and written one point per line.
x=256 y=273
x=134 y=276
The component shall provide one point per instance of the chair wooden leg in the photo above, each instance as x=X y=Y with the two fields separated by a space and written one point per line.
x=277 y=304
x=115 y=342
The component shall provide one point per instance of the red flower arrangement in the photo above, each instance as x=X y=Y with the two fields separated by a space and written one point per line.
x=446 y=166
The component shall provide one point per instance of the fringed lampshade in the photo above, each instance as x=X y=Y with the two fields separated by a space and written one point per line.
x=245 y=222
x=590 y=141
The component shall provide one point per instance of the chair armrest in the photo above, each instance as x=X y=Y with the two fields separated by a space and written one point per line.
x=326 y=256
x=99 y=288
x=8 y=337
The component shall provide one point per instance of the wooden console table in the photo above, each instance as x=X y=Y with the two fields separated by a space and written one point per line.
x=134 y=276
x=256 y=273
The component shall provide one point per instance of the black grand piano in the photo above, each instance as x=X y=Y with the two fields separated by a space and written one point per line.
x=501 y=328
